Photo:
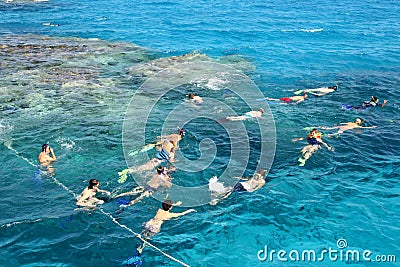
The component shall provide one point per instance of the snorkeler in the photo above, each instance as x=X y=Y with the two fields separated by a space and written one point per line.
x=374 y=102
x=219 y=191
x=348 y=126
x=195 y=98
x=153 y=226
x=44 y=157
x=319 y=91
x=159 y=179
x=247 y=115
x=287 y=100
x=87 y=197
x=314 y=140
x=168 y=144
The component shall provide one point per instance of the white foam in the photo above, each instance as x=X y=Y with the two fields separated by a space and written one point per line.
x=313 y=30
x=65 y=143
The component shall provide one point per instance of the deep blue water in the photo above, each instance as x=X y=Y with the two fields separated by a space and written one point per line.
x=59 y=85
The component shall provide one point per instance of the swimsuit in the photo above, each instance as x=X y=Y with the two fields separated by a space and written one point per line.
x=151 y=228
x=286 y=99
x=239 y=188
x=149 y=188
x=163 y=155
x=313 y=141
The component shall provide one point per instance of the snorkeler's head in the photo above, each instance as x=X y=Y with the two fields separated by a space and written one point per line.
x=335 y=87
x=44 y=147
x=359 y=121
x=181 y=132
x=160 y=169
x=191 y=95
x=167 y=205
x=261 y=110
x=375 y=99
x=261 y=173
x=92 y=183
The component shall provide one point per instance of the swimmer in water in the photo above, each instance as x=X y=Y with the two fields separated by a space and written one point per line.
x=247 y=115
x=219 y=191
x=314 y=140
x=319 y=91
x=159 y=179
x=374 y=102
x=169 y=144
x=87 y=197
x=195 y=98
x=153 y=226
x=349 y=126
x=45 y=159
x=297 y=99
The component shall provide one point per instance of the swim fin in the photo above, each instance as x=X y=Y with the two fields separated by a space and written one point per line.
x=302 y=161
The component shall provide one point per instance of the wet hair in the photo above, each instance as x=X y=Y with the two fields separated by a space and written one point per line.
x=191 y=95
x=181 y=132
x=260 y=174
x=160 y=169
x=92 y=183
x=360 y=120
x=374 y=98
x=167 y=205
x=44 y=146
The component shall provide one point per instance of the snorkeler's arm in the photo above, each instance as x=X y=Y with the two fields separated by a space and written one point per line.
x=53 y=156
x=294 y=140
x=104 y=191
x=326 y=145
x=175 y=215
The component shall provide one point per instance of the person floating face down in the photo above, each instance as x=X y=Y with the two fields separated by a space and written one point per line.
x=374 y=102
x=349 y=126
x=169 y=144
x=159 y=179
x=153 y=226
x=322 y=90
x=87 y=197
x=247 y=115
x=219 y=191
x=314 y=140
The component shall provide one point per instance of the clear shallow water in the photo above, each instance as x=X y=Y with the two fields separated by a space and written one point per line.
x=74 y=95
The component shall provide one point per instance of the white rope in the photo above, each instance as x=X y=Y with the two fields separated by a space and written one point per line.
x=101 y=210
x=141 y=238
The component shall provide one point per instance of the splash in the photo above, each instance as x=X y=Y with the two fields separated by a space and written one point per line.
x=313 y=30
x=66 y=143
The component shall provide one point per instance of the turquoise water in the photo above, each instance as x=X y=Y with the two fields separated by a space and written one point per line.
x=70 y=85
